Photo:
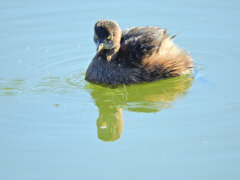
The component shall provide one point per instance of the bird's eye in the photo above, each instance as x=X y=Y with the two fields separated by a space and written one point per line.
x=109 y=37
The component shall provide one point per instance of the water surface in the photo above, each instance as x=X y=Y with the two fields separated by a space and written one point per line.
x=54 y=125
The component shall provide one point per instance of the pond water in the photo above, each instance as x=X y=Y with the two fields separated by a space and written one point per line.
x=55 y=125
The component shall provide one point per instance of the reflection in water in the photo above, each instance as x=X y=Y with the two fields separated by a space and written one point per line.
x=149 y=97
x=109 y=123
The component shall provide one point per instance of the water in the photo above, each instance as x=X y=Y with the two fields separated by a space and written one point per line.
x=54 y=125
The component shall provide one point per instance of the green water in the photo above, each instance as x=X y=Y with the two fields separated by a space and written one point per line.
x=55 y=125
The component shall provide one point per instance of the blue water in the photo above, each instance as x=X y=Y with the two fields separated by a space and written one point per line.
x=54 y=125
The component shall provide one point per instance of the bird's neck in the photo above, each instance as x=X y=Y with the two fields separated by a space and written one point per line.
x=111 y=53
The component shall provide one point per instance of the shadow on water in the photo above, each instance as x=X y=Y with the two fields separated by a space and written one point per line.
x=147 y=98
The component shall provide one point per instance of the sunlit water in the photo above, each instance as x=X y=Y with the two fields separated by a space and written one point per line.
x=54 y=125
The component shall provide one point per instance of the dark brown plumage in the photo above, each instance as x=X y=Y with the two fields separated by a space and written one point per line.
x=134 y=55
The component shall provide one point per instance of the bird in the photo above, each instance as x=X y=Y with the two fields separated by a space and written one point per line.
x=135 y=55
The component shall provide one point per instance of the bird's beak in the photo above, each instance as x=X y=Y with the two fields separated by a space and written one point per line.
x=100 y=47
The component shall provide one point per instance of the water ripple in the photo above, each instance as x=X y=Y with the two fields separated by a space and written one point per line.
x=50 y=84
x=60 y=85
x=11 y=87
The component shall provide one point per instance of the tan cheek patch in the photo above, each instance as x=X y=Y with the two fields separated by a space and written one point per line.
x=109 y=58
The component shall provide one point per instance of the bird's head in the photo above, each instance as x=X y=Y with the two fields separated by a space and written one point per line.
x=107 y=35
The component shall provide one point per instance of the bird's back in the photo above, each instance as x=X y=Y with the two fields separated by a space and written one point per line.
x=137 y=42
x=152 y=50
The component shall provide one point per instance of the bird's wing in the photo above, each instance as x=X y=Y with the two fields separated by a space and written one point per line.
x=152 y=48
x=139 y=42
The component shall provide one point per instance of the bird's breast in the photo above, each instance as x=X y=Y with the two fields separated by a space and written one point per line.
x=103 y=72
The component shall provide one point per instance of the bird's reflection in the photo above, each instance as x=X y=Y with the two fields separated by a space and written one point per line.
x=149 y=97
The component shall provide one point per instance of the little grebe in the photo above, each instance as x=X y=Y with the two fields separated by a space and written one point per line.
x=134 y=55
